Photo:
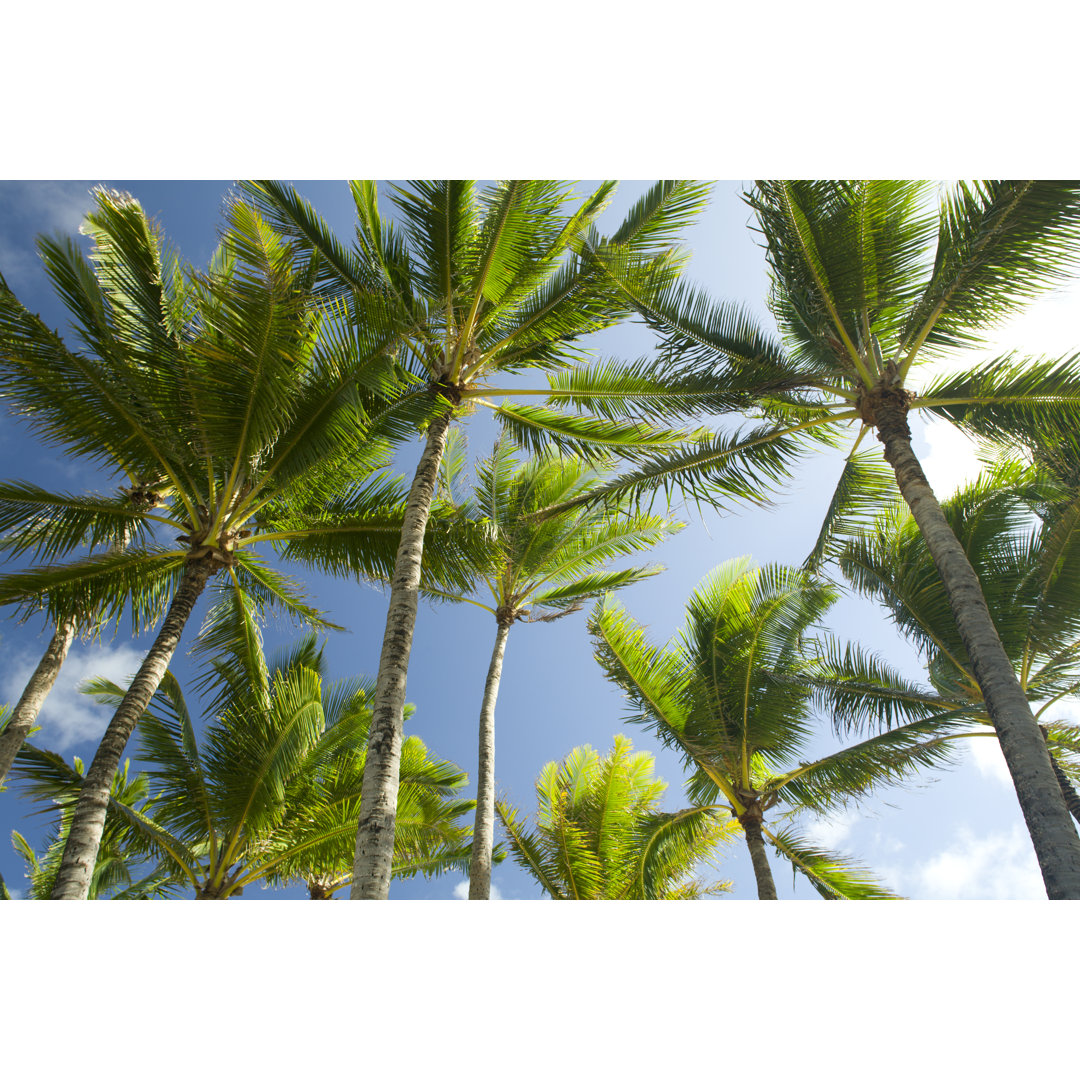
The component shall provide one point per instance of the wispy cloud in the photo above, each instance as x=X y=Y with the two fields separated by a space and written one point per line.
x=28 y=207
x=46 y=205
x=69 y=717
x=998 y=866
x=461 y=891
x=832 y=831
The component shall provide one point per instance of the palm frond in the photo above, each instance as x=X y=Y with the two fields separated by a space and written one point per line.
x=866 y=484
x=833 y=876
x=50 y=525
x=1001 y=243
x=100 y=587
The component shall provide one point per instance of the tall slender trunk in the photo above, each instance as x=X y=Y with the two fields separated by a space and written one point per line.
x=378 y=796
x=84 y=839
x=484 y=825
x=33 y=697
x=766 y=887
x=1057 y=846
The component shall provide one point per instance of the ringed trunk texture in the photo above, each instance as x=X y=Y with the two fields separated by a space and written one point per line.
x=484 y=825
x=33 y=697
x=378 y=796
x=84 y=839
x=766 y=887
x=1057 y=846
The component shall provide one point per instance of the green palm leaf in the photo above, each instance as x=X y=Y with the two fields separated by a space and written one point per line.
x=832 y=875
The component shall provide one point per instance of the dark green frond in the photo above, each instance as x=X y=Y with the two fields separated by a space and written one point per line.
x=53 y=524
x=100 y=587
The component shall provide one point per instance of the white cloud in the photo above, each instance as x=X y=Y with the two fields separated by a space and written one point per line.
x=461 y=891
x=46 y=206
x=989 y=760
x=1000 y=866
x=1066 y=709
x=951 y=460
x=69 y=717
x=832 y=831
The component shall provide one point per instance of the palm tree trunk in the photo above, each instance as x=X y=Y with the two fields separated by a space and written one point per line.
x=378 y=796
x=33 y=697
x=1057 y=846
x=80 y=851
x=766 y=887
x=1068 y=792
x=484 y=825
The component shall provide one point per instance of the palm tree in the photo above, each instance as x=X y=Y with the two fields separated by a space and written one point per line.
x=600 y=834
x=535 y=571
x=122 y=852
x=271 y=793
x=36 y=535
x=733 y=693
x=25 y=712
x=477 y=284
x=237 y=406
x=1030 y=569
x=430 y=835
x=863 y=296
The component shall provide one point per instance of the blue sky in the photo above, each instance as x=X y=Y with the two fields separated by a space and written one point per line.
x=957 y=834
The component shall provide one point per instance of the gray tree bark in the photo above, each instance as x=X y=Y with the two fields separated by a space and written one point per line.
x=33 y=697
x=1068 y=792
x=84 y=839
x=378 y=796
x=484 y=825
x=1057 y=846
x=766 y=887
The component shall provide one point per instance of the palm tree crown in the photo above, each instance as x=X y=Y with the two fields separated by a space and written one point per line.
x=235 y=412
x=535 y=570
x=733 y=693
x=272 y=792
x=600 y=834
x=471 y=284
x=868 y=281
